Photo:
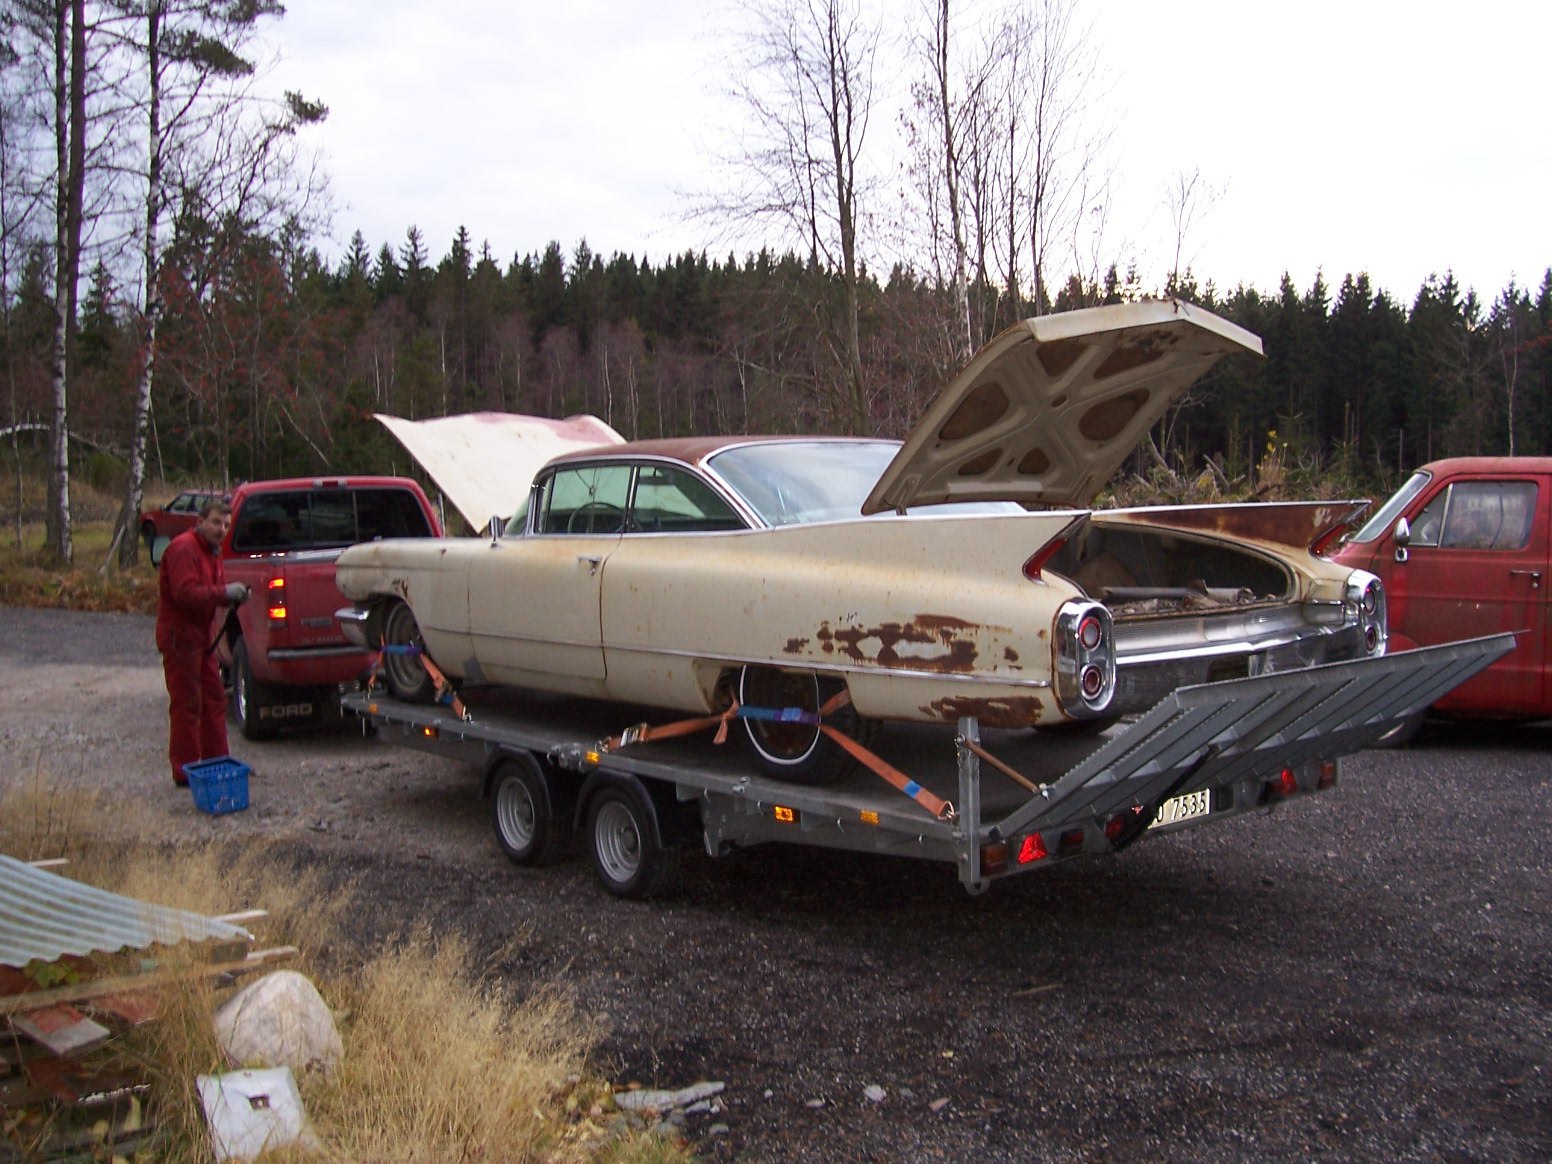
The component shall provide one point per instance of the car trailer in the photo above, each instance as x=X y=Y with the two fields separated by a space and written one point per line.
x=1013 y=802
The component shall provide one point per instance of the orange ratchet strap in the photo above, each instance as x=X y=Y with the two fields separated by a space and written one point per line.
x=445 y=692
x=645 y=733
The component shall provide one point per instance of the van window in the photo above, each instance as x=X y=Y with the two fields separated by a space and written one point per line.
x=1478 y=515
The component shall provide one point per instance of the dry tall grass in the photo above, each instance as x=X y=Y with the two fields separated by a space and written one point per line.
x=442 y=1063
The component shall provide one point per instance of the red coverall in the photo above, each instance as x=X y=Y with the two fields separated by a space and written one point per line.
x=192 y=587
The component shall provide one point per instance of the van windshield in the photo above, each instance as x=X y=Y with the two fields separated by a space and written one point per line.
x=1386 y=515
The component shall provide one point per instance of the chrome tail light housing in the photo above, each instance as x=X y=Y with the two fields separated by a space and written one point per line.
x=1085 y=659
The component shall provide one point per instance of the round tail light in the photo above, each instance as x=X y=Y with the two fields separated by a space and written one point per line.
x=1093 y=681
x=1089 y=634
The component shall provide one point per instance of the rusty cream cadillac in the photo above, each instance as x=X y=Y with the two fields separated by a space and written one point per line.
x=868 y=580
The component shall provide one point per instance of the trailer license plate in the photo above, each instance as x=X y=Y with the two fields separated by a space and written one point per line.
x=1187 y=807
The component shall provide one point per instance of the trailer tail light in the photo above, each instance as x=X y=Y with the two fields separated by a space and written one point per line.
x=1328 y=772
x=275 y=599
x=1031 y=849
x=1280 y=787
x=1071 y=842
x=994 y=859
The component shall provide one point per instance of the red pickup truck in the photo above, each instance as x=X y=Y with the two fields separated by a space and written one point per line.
x=1463 y=548
x=283 y=648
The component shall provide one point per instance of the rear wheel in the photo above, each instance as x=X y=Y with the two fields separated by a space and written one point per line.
x=407 y=676
x=623 y=836
x=530 y=827
x=249 y=696
x=795 y=750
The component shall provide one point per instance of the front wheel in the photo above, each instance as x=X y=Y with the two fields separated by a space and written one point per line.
x=531 y=827
x=623 y=836
x=407 y=676
x=792 y=749
x=249 y=696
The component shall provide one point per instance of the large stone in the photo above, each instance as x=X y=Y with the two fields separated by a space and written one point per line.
x=279 y=1020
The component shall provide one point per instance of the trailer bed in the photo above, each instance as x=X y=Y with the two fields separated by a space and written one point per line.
x=1201 y=755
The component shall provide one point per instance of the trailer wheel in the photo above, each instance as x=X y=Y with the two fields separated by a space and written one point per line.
x=249 y=696
x=623 y=835
x=798 y=752
x=407 y=676
x=523 y=811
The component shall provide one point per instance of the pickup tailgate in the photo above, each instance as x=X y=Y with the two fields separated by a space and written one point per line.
x=1217 y=734
x=311 y=598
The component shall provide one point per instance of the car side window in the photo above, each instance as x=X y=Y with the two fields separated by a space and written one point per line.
x=589 y=499
x=1478 y=515
x=670 y=500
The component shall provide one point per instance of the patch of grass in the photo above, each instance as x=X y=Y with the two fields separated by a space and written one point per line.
x=442 y=1062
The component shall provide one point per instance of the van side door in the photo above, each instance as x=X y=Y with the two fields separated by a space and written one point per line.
x=1478 y=564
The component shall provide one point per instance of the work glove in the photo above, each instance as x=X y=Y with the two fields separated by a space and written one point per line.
x=236 y=593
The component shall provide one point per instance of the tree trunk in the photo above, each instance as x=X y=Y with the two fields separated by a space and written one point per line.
x=129 y=513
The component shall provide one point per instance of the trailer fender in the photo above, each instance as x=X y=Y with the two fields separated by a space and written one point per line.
x=671 y=825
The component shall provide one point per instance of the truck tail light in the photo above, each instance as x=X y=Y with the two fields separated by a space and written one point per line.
x=275 y=599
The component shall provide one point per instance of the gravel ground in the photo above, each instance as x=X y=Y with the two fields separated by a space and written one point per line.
x=1363 y=976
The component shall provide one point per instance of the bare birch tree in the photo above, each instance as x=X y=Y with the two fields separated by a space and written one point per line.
x=804 y=79
x=213 y=144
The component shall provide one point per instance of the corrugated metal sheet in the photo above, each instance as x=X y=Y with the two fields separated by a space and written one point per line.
x=45 y=916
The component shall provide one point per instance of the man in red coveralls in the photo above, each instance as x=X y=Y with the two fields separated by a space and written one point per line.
x=193 y=587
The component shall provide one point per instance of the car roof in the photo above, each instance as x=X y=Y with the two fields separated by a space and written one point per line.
x=694 y=451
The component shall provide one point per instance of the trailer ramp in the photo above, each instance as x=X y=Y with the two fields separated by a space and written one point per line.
x=1219 y=734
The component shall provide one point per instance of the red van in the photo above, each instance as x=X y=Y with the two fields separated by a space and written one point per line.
x=1463 y=550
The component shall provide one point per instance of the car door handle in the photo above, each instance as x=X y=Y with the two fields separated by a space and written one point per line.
x=1533 y=575
x=592 y=561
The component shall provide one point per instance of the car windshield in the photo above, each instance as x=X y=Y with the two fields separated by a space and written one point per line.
x=799 y=482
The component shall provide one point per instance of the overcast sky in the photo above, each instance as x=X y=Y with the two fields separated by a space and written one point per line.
x=1395 y=138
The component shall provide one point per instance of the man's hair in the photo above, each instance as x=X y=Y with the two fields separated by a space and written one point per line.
x=215 y=505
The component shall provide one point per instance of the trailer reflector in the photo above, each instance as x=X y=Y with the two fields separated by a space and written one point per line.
x=430 y=731
x=784 y=814
x=1032 y=849
x=1328 y=770
x=868 y=816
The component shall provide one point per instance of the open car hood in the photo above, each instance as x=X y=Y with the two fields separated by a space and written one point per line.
x=484 y=462
x=1046 y=412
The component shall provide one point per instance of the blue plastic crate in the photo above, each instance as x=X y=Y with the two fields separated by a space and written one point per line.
x=219 y=785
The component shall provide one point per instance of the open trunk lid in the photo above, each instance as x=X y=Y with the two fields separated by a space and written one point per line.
x=1046 y=412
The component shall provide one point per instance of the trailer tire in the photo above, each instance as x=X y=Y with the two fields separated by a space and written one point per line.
x=623 y=836
x=530 y=827
x=407 y=676
x=249 y=696
x=797 y=752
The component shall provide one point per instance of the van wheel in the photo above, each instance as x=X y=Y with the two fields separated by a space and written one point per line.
x=531 y=827
x=622 y=833
x=796 y=751
x=249 y=696
x=406 y=674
